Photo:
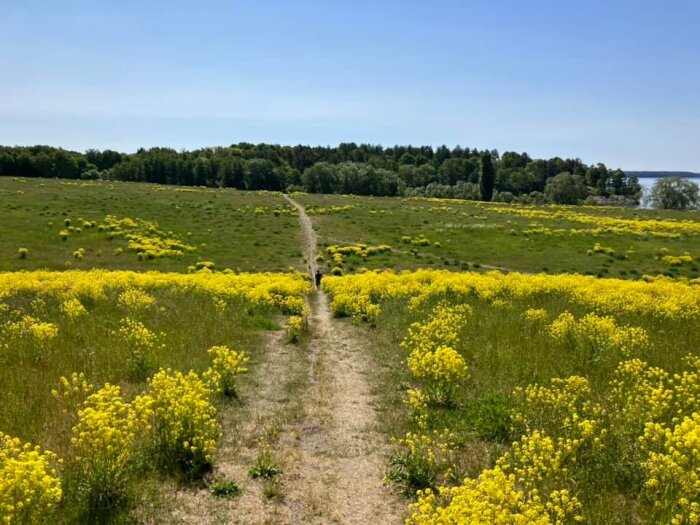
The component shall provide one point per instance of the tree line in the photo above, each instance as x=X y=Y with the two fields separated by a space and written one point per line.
x=350 y=168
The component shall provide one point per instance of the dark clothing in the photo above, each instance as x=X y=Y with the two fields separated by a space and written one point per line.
x=318 y=277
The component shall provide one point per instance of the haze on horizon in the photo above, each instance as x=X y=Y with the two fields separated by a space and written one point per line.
x=614 y=82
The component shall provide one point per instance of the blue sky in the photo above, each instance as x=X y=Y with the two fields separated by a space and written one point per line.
x=614 y=81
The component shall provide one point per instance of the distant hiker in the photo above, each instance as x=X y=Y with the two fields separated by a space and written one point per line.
x=318 y=277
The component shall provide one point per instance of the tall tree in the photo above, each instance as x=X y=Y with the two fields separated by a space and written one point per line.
x=565 y=188
x=487 y=179
x=675 y=193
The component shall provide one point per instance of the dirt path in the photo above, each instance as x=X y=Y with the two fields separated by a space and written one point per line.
x=307 y=230
x=312 y=403
x=343 y=457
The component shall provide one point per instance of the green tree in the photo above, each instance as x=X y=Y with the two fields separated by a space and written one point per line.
x=260 y=175
x=453 y=170
x=64 y=165
x=322 y=177
x=565 y=188
x=487 y=178
x=231 y=172
x=674 y=193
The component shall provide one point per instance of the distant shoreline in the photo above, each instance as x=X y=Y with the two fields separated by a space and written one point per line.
x=662 y=174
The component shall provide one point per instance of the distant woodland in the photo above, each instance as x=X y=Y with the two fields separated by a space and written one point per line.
x=349 y=168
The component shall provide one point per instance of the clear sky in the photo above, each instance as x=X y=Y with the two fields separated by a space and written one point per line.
x=614 y=81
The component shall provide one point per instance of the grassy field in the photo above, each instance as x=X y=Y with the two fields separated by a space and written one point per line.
x=545 y=353
x=65 y=337
x=91 y=346
x=468 y=235
x=221 y=226
x=588 y=373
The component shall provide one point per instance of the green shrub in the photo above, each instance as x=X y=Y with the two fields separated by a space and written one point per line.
x=490 y=417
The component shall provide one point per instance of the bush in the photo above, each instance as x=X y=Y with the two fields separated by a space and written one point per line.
x=29 y=485
x=441 y=371
x=490 y=417
x=265 y=465
x=503 y=196
x=421 y=461
x=184 y=424
x=295 y=327
x=105 y=449
x=226 y=364
x=225 y=489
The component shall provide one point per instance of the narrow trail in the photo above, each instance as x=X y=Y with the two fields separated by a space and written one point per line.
x=307 y=230
x=342 y=460
x=314 y=405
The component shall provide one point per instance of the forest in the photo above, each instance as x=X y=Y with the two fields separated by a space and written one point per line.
x=348 y=168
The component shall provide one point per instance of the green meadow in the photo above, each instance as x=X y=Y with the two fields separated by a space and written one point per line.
x=221 y=225
x=463 y=235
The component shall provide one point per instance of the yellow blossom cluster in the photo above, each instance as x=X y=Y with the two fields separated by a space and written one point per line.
x=284 y=292
x=106 y=440
x=144 y=238
x=663 y=228
x=184 y=422
x=172 y=425
x=360 y=306
x=433 y=359
x=280 y=209
x=598 y=248
x=596 y=336
x=440 y=371
x=677 y=260
x=226 y=364
x=137 y=336
x=646 y=423
x=135 y=299
x=565 y=407
x=327 y=210
x=29 y=327
x=493 y=499
x=296 y=325
x=673 y=470
x=417 y=402
x=420 y=240
x=29 y=484
x=523 y=488
x=284 y=209
x=338 y=253
x=205 y=265
x=72 y=392
x=72 y=308
x=661 y=298
x=531 y=483
x=638 y=429
x=535 y=315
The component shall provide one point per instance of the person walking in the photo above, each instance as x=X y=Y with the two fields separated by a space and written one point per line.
x=317 y=277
